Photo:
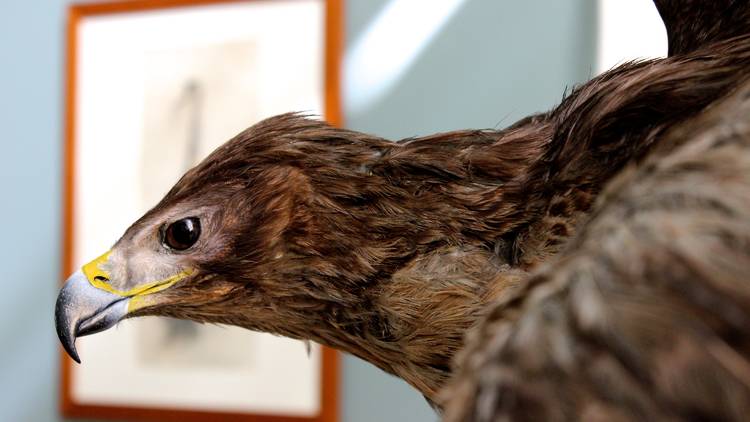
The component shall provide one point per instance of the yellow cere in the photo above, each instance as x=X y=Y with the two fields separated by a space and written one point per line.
x=99 y=278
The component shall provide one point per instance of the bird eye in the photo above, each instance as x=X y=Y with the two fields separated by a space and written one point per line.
x=182 y=234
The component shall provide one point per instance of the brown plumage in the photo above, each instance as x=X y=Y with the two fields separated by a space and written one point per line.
x=393 y=251
x=646 y=314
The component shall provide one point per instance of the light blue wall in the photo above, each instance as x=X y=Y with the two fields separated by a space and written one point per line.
x=494 y=62
x=30 y=105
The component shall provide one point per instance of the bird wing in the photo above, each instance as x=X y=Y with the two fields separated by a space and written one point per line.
x=692 y=24
x=646 y=314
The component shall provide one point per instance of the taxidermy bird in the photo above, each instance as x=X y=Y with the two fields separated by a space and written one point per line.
x=597 y=253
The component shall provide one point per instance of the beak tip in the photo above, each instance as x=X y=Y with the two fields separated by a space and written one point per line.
x=81 y=309
x=65 y=327
x=74 y=355
x=70 y=348
x=67 y=340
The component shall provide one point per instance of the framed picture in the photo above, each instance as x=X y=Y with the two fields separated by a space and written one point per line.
x=152 y=87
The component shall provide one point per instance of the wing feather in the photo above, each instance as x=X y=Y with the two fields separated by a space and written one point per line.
x=646 y=314
x=692 y=24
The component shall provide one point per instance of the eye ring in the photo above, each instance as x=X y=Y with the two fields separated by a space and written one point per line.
x=182 y=234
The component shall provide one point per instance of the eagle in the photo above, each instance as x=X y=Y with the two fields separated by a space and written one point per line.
x=589 y=262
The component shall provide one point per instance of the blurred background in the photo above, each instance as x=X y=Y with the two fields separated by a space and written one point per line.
x=410 y=68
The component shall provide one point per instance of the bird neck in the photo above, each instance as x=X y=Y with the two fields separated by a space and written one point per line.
x=412 y=324
x=425 y=311
x=395 y=264
x=404 y=257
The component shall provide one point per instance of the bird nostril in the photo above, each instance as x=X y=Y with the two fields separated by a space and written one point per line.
x=102 y=279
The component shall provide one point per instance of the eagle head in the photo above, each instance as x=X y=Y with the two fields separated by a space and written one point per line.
x=386 y=250
x=247 y=238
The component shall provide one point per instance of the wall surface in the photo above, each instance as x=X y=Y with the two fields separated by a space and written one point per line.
x=489 y=64
x=30 y=107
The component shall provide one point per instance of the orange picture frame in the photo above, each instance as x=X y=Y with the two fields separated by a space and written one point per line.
x=333 y=44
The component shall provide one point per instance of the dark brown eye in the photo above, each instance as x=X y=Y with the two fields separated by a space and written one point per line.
x=182 y=234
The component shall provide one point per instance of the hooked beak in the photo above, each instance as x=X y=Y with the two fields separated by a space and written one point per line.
x=83 y=309
x=89 y=303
